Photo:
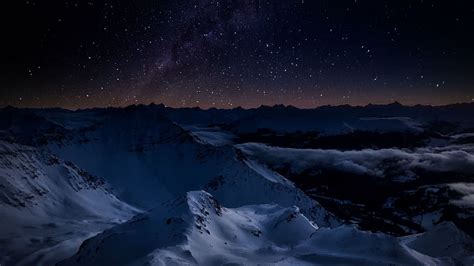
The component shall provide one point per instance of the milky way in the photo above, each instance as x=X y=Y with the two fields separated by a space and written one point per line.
x=78 y=54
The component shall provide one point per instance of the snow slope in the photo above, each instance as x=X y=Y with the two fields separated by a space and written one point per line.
x=148 y=160
x=444 y=240
x=211 y=135
x=197 y=229
x=48 y=206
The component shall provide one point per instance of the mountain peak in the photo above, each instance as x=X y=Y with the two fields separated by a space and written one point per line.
x=395 y=103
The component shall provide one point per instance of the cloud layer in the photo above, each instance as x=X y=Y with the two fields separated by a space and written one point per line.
x=455 y=158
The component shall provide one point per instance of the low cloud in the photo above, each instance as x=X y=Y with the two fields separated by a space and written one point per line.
x=456 y=158
x=467 y=192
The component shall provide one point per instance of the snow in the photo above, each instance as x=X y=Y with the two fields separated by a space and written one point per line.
x=49 y=206
x=148 y=160
x=444 y=240
x=52 y=254
x=267 y=173
x=211 y=135
x=196 y=229
x=54 y=203
x=429 y=220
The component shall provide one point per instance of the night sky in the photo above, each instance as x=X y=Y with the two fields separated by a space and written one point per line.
x=307 y=53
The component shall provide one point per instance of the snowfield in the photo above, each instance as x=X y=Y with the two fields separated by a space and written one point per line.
x=50 y=206
x=196 y=229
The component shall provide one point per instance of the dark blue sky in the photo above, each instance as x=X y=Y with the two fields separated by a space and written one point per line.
x=229 y=53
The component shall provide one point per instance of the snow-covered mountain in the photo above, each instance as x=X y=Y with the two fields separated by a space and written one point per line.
x=405 y=190
x=392 y=170
x=48 y=206
x=197 y=229
x=328 y=119
x=149 y=159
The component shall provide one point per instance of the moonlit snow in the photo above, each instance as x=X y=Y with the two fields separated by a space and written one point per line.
x=143 y=185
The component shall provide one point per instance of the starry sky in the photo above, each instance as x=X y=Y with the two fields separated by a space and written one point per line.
x=229 y=53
